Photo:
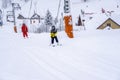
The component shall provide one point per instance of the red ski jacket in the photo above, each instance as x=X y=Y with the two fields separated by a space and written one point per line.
x=24 y=28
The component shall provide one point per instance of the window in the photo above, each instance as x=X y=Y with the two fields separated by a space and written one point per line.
x=108 y=24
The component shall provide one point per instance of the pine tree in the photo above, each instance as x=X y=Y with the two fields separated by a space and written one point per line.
x=79 y=21
x=48 y=20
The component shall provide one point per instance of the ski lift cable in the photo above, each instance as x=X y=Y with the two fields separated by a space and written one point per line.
x=58 y=9
x=35 y=4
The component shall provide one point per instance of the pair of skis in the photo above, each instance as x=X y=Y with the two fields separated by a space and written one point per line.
x=54 y=45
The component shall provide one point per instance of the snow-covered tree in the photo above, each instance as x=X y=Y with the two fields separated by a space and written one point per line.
x=26 y=0
x=41 y=28
x=84 y=0
x=5 y=3
x=1 y=16
x=48 y=20
x=83 y=12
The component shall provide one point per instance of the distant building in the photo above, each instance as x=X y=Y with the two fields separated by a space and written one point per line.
x=35 y=18
x=101 y=22
x=109 y=24
x=20 y=17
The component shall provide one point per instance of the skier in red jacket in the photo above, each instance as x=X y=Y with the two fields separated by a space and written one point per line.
x=24 y=30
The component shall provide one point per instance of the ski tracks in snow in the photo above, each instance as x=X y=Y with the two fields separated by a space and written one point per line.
x=66 y=66
x=71 y=67
x=39 y=57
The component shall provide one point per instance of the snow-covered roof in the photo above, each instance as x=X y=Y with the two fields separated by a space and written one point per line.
x=100 y=19
x=35 y=16
x=116 y=18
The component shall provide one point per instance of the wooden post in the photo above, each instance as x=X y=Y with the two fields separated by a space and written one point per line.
x=83 y=24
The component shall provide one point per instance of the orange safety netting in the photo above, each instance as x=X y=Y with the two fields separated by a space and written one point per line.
x=15 y=29
x=68 y=26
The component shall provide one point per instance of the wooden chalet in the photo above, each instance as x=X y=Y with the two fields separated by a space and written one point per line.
x=35 y=18
x=109 y=24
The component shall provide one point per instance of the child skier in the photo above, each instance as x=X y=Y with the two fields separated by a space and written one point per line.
x=53 y=35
